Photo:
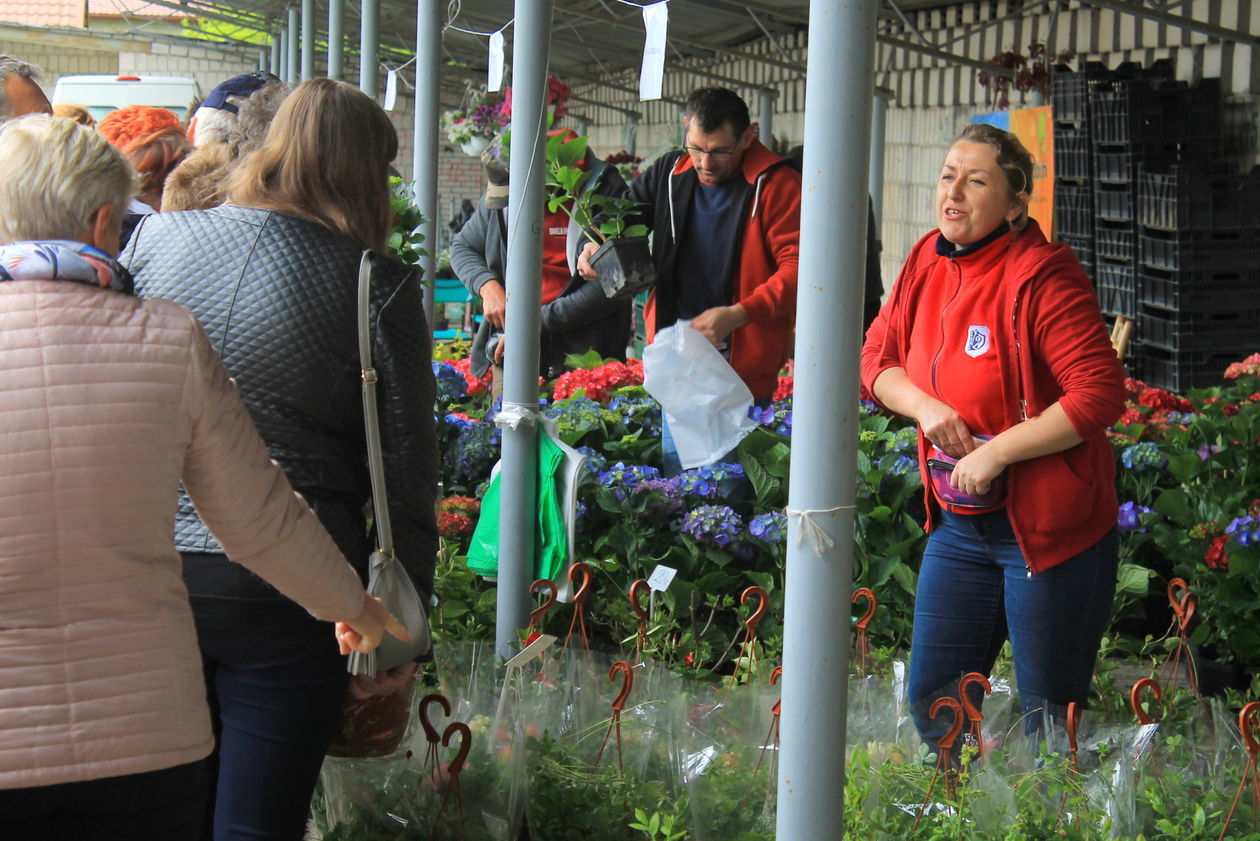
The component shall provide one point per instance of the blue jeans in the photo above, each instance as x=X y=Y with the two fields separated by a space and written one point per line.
x=975 y=591
x=276 y=685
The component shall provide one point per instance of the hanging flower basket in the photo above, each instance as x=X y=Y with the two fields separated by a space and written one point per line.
x=475 y=145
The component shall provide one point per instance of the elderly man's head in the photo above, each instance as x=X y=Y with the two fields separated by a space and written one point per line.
x=94 y=182
x=215 y=120
x=20 y=93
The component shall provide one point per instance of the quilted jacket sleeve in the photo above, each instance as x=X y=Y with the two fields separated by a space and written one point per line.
x=248 y=504
x=408 y=436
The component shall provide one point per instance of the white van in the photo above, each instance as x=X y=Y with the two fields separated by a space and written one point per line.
x=102 y=94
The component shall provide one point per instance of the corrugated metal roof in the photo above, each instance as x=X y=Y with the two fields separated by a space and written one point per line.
x=133 y=8
x=45 y=12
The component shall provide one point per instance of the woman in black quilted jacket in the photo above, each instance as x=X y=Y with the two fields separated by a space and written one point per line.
x=272 y=276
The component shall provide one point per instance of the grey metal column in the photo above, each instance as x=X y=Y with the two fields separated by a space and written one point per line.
x=291 y=59
x=424 y=149
x=583 y=126
x=879 y=133
x=824 y=427
x=369 y=48
x=308 y=39
x=765 y=105
x=518 y=479
x=632 y=134
x=336 y=47
x=275 y=52
x=262 y=59
x=283 y=71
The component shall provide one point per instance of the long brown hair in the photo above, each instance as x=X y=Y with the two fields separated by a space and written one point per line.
x=325 y=158
x=1013 y=159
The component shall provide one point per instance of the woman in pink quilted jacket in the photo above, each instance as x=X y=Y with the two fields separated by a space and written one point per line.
x=107 y=403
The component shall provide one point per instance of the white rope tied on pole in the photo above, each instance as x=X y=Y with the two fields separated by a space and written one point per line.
x=514 y=414
x=819 y=540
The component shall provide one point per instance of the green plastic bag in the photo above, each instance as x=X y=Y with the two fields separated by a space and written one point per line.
x=551 y=540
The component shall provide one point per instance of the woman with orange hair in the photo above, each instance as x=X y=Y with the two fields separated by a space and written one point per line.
x=154 y=141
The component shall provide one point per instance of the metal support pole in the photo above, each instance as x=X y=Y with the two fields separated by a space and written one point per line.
x=369 y=48
x=262 y=59
x=583 y=126
x=424 y=149
x=765 y=103
x=292 y=65
x=632 y=134
x=879 y=131
x=336 y=47
x=825 y=421
x=519 y=475
x=275 y=53
x=283 y=72
x=308 y=39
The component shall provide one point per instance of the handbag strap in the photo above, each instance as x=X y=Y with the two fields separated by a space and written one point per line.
x=371 y=419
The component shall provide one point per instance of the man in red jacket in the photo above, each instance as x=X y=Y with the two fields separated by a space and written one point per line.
x=725 y=212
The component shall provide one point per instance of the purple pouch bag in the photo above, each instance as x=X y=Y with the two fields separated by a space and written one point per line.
x=940 y=466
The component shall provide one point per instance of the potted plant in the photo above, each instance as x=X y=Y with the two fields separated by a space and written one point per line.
x=474 y=125
x=623 y=260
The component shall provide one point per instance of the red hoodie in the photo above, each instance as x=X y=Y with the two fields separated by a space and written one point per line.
x=1056 y=350
x=765 y=278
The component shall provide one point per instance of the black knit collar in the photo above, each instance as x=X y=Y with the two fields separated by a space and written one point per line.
x=945 y=248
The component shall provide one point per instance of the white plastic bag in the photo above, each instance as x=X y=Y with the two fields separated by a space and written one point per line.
x=705 y=401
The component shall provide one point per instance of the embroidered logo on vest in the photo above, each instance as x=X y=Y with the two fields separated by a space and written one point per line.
x=977 y=340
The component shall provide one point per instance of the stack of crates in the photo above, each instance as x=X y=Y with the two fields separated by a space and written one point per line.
x=1199 y=292
x=1073 y=163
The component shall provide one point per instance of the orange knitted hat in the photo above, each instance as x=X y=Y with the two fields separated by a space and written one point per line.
x=135 y=123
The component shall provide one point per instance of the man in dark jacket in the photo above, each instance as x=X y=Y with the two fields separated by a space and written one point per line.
x=725 y=212
x=576 y=315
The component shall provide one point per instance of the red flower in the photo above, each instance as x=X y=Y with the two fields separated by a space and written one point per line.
x=599 y=382
x=1216 y=556
x=1132 y=416
x=784 y=389
x=454 y=526
x=468 y=505
x=475 y=385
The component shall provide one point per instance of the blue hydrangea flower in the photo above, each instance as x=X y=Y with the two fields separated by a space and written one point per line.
x=665 y=501
x=1143 y=456
x=622 y=477
x=1245 y=530
x=905 y=441
x=903 y=465
x=450 y=384
x=1206 y=452
x=776 y=416
x=574 y=414
x=1130 y=517
x=473 y=453
x=769 y=528
x=595 y=460
x=867 y=407
x=636 y=408
x=713 y=525
x=459 y=424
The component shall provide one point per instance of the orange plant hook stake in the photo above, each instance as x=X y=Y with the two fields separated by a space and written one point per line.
x=943 y=750
x=1135 y=698
x=1249 y=727
x=431 y=735
x=579 y=569
x=536 y=616
x=750 y=625
x=974 y=716
x=457 y=764
x=772 y=735
x=861 y=647
x=1184 y=603
x=619 y=703
x=640 y=642
x=1073 y=723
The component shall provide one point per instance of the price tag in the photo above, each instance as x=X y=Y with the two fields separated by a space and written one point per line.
x=532 y=651
x=652 y=73
x=391 y=89
x=661 y=578
x=494 y=71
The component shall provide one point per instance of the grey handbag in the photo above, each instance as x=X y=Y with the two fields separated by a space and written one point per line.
x=387 y=580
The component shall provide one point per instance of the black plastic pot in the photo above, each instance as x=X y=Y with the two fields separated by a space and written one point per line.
x=625 y=266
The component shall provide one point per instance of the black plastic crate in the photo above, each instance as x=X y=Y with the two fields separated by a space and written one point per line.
x=1181 y=370
x=1073 y=209
x=1082 y=247
x=1200 y=250
x=1209 y=290
x=1118 y=112
x=1115 y=241
x=1114 y=202
x=1071 y=156
x=1197 y=330
x=1199 y=197
x=1114 y=300
x=1118 y=163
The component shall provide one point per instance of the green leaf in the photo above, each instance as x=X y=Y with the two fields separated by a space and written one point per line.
x=1172 y=504
x=1133 y=579
x=635 y=231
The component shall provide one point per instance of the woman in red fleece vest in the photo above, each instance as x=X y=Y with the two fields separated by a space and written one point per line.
x=992 y=341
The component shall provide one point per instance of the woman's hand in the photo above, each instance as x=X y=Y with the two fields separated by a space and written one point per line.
x=975 y=472
x=363 y=633
x=944 y=427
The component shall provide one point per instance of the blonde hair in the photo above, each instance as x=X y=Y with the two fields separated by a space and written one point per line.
x=78 y=113
x=325 y=158
x=54 y=175
x=1015 y=161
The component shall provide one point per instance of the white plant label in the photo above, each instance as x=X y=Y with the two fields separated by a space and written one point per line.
x=494 y=77
x=661 y=578
x=652 y=74
x=532 y=651
x=391 y=89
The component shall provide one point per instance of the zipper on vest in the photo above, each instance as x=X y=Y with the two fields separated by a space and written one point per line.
x=1019 y=369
